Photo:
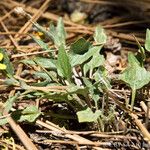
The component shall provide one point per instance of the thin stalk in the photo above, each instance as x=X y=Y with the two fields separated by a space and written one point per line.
x=100 y=125
x=133 y=98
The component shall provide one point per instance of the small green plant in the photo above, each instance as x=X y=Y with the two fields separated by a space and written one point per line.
x=135 y=75
x=83 y=88
x=79 y=69
x=29 y=113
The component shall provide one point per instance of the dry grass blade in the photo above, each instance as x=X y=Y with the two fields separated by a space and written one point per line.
x=21 y=134
x=144 y=131
x=77 y=138
x=35 y=17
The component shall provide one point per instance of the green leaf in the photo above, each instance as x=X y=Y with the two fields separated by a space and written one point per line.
x=30 y=114
x=44 y=83
x=93 y=91
x=42 y=44
x=9 y=103
x=61 y=33
x=49 y=76
x=147 y=40
x=102 y=79
x=73 y=89
x=42 y=75
x=63 y=63
x=57 y=97
x=52 y=28
x=11 y=81
x=141 y=53
x=28 y=62
x=132 y=60
x=80 y=46
x=88 y=116
x=135 y=75
x=46 y=62
x=96 y=61
x=87 y=82
x=3 y=121
x=6 y=61
x=80 y=59
x=99 y=36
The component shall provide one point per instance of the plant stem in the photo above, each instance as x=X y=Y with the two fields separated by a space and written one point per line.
x=100 y=125
x=133 y=97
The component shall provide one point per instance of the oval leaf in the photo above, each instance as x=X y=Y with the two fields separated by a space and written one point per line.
x=63 y=63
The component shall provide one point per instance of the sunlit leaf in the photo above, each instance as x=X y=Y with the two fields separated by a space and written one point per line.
x=3 y=121
x=135 y=75
x=80 y=59
x=87 y=115
x=44 y=62
x=9 y=103
x=102 y=78
x=30 y=114
x=99 y=36
x=57 y=35
x=96 y=61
